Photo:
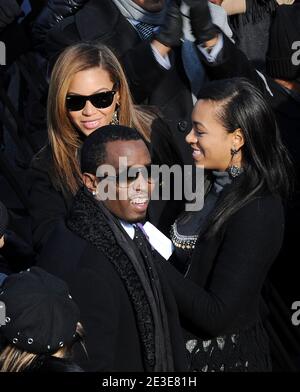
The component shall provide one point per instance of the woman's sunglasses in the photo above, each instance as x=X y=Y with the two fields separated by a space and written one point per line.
x=100 y=100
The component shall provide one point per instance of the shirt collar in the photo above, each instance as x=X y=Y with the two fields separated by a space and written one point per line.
x=129 y=228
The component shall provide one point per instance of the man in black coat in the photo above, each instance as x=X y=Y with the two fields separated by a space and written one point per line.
x=128 y=311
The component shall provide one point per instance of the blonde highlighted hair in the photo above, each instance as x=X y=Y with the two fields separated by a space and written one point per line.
x=65 y=139
x=13 y=359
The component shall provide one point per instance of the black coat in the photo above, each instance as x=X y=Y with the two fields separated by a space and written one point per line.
x=48 y=204
x=220 y=295
x=229 y=269
x=52 y=13
x=107 y=313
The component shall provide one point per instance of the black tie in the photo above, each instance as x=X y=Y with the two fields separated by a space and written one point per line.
x=140 y=240
x=144 y=248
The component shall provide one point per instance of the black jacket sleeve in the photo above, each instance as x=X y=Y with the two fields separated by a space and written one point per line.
x=17 y=253
x=232 y=62
x=47 y=204
x=9 y=11
x=99 y=317
x=252 y=241
x=53 y=12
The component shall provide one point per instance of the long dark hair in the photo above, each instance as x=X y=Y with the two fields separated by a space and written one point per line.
x=266 y=162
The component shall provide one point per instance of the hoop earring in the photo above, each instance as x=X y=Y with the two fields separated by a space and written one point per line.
x=115 y=116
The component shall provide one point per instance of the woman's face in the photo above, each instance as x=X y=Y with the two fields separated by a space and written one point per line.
x=89 y=82
x=210 y=142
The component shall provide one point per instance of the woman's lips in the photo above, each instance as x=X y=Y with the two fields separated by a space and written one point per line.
x=197 y=154
x=91 y=124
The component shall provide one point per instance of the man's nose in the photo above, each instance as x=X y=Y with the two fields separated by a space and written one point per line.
x=140 y=184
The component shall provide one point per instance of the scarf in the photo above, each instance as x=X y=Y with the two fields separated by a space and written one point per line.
x=130 y=10
x=90 y=220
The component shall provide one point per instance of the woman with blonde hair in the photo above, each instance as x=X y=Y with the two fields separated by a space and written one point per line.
x=88 y=89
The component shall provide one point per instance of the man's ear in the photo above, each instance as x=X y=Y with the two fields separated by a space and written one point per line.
x=90 y=181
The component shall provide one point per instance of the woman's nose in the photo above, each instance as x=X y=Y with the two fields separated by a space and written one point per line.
x=89 y=108
x=190 y=137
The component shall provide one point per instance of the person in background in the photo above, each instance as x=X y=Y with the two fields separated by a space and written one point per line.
x=15 y=253
x=9 y=11
x=41 y=326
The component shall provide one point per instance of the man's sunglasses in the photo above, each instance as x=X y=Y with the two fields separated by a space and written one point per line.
x=125 y=179
x=100 y=100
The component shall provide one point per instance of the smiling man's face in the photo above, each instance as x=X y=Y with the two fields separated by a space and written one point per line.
x=131 y=201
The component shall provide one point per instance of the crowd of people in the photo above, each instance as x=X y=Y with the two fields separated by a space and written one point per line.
x=95 y=273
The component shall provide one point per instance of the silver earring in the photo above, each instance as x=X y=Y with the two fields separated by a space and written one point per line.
x=94 y=193
x=115 y=116
x=234 y=170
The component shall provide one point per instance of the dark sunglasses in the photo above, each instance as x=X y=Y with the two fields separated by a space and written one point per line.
x=125 y=179
x=100 y=100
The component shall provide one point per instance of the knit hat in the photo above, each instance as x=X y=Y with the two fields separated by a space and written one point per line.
x=41 y=316
x=284 y=31
x=3 y=219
